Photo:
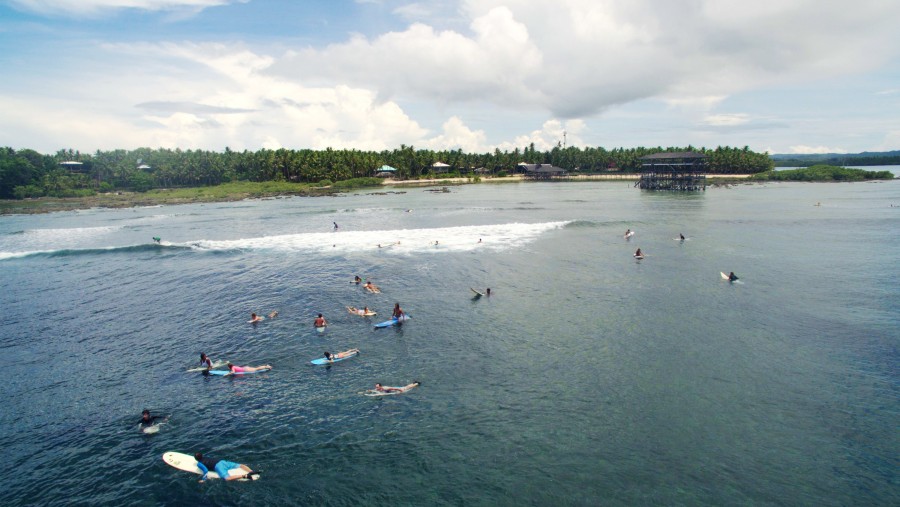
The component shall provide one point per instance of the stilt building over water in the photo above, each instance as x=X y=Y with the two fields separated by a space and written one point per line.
x=682 y=170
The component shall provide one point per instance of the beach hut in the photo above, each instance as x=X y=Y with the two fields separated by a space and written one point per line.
x=385 y=171
x=440 y=167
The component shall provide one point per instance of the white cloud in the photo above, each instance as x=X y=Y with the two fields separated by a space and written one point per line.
x=809 y=150
x=456 y=135
x=552 y=134
x=726 y=120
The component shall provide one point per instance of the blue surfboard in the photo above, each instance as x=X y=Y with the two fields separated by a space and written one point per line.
x=322 y=360
x=226 y=372
x=392 y=322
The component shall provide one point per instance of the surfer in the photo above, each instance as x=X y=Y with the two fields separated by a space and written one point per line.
x=371 y=287
x=320 y=321
x=357 y=280
x=157 y=239
x=638 y=254
x=221 y=467
x=627 y=233
x=205 y=362
x=247 y=369
x=147 y=419
x=732 y=277
x=340 y=355
x=335 y=225
x=273 y=314
x=365 y=311
x=388 y=389
x=487 y=292
x=681 y=237
x=398 y=312
x=254 y=318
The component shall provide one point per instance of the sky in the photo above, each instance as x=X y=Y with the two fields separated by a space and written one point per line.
x=783 y=76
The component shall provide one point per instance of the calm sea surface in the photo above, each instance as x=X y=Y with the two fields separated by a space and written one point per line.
x=588 y=378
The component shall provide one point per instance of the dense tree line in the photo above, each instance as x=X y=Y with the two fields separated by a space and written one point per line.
x=27 y=173
x=839 y=160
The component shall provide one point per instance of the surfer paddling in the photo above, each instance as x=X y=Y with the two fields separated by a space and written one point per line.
x=340 y=355
x=371 y=287
x=356 y=311
x=389 y=389
x=254 y=318
x=247 y=369
x=222 y=468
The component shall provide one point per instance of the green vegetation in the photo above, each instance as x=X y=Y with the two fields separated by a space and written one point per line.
x=839 y=159
x=824 y=173
x=67 y=173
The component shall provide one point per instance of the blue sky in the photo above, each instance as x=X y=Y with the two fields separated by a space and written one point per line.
x=784 y=76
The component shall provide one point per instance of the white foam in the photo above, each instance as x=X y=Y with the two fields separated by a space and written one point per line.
x=400 y=241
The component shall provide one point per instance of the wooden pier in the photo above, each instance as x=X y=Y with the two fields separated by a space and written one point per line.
x=679 y=171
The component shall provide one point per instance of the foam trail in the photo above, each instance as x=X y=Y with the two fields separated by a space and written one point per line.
x=401 y=241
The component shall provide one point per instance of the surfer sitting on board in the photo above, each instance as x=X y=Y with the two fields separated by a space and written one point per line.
x=388 y=389
x=320 y=321
x=147 y=419
x=221 y=467
x=340 y=355
x=247 y=369
x=254 y=318
x=638 y=253
x=357 y=280
x=627 y=232
x=398 y=312
x=732 y=277
x=681 y=237
x=205 y=362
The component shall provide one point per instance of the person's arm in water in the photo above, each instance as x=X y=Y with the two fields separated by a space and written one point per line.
x=203 y=468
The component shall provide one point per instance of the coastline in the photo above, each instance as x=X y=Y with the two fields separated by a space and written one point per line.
x=163 y=197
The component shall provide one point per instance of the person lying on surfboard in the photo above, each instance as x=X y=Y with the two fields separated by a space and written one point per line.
x=320 y=321
x=340 y=355
x=356 y=311
x=388 y=389
x=222 y=467
x=247 y=369
x=254 y=318
x=371 y=286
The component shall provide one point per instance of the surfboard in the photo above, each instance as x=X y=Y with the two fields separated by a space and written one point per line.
x=638 y=257
x=320 y=329
x=392 y=322
x=477 y=292
x=259 y=318
x=226 y=372
x=216 y=364
x=150 y=430
x=322 y=360
x=726 y=277
x=372 y=392
x=187 y=463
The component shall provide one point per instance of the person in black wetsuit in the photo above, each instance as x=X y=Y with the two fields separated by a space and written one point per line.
x=732 y=277
x=147 y=419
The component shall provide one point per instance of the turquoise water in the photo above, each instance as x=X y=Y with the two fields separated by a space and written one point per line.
x=588 y=378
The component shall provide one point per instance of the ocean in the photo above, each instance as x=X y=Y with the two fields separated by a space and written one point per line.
x=586 y=378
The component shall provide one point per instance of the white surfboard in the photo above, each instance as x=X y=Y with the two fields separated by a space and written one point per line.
x=629 y=234
x=187 y=463
x=216 y=364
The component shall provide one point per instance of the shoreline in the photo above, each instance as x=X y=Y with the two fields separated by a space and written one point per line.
x=135 y=199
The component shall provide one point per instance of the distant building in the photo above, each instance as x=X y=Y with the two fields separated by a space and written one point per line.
x=541 y=171
x=440 y=167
